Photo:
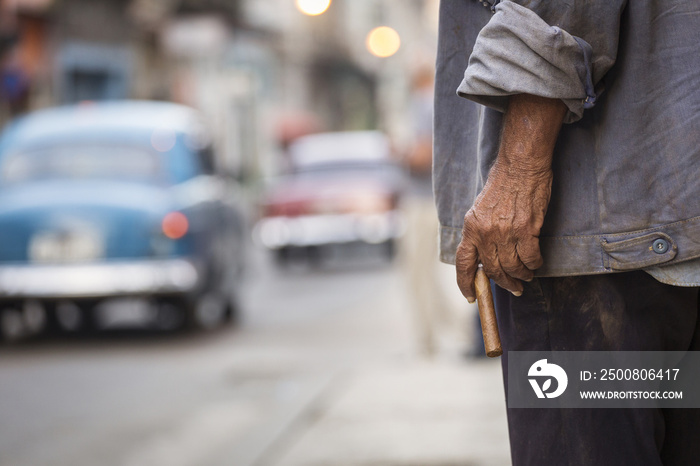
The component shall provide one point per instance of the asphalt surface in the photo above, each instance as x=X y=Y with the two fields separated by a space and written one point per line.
x=313 y=375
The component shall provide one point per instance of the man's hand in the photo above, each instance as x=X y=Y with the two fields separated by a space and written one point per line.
x=501 y=231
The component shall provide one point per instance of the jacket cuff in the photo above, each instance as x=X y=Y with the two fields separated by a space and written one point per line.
x=519 y=53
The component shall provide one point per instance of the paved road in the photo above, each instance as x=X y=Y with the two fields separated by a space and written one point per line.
x=309 y=378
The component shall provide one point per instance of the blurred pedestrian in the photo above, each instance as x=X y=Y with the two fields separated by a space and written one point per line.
x=14 y=84
x=8 y=39
x=619 y=183
x=419 y=245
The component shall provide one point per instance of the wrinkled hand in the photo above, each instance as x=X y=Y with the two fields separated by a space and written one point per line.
x=502 y=229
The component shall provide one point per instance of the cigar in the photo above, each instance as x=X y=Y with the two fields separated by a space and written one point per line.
x=487 y=314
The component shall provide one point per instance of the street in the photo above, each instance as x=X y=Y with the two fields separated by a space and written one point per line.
x=145 y=145
x=322 y=370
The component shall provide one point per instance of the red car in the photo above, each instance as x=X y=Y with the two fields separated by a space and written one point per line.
x=343 y=188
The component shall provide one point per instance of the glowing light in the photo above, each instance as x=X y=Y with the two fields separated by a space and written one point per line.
x=175 y=225
x=313 y=7
x=383 y=41
x=163 y=140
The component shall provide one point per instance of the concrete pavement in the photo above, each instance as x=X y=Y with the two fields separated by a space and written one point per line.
x=324 y=371
x=393 y=407
x=405 y=413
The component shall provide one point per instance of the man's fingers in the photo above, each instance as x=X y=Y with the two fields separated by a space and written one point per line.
x=529 y=253
x=495 y=272
x=506 y=258
x=511 y=263
x=467 y=262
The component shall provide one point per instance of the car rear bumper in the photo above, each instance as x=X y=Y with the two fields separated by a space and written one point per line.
x=314 y=230
x=100 y=279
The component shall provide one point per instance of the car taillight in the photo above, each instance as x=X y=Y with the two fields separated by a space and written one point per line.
x=175 y=225
x=288 y=209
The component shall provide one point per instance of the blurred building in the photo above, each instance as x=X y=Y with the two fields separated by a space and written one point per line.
x=260 y=70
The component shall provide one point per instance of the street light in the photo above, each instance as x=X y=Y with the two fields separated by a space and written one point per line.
x=313 y=7
x=383 y=41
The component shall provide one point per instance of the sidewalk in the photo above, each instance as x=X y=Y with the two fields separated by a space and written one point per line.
x=362 y=395
x=408 y=413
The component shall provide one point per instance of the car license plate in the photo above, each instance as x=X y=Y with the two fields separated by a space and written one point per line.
x=62 y=247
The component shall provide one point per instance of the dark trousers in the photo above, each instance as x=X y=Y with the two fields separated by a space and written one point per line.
x=624 y=312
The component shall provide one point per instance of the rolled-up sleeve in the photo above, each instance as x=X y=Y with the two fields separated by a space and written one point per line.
x=559 y=50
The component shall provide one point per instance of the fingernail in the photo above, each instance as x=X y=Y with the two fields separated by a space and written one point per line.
x=470 y=300
x=530 y=279
x=517 y=293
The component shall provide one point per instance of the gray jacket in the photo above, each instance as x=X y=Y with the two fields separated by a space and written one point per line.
x=626 y=191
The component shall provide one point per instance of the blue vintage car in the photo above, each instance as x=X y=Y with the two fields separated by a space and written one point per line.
x=109 y=208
